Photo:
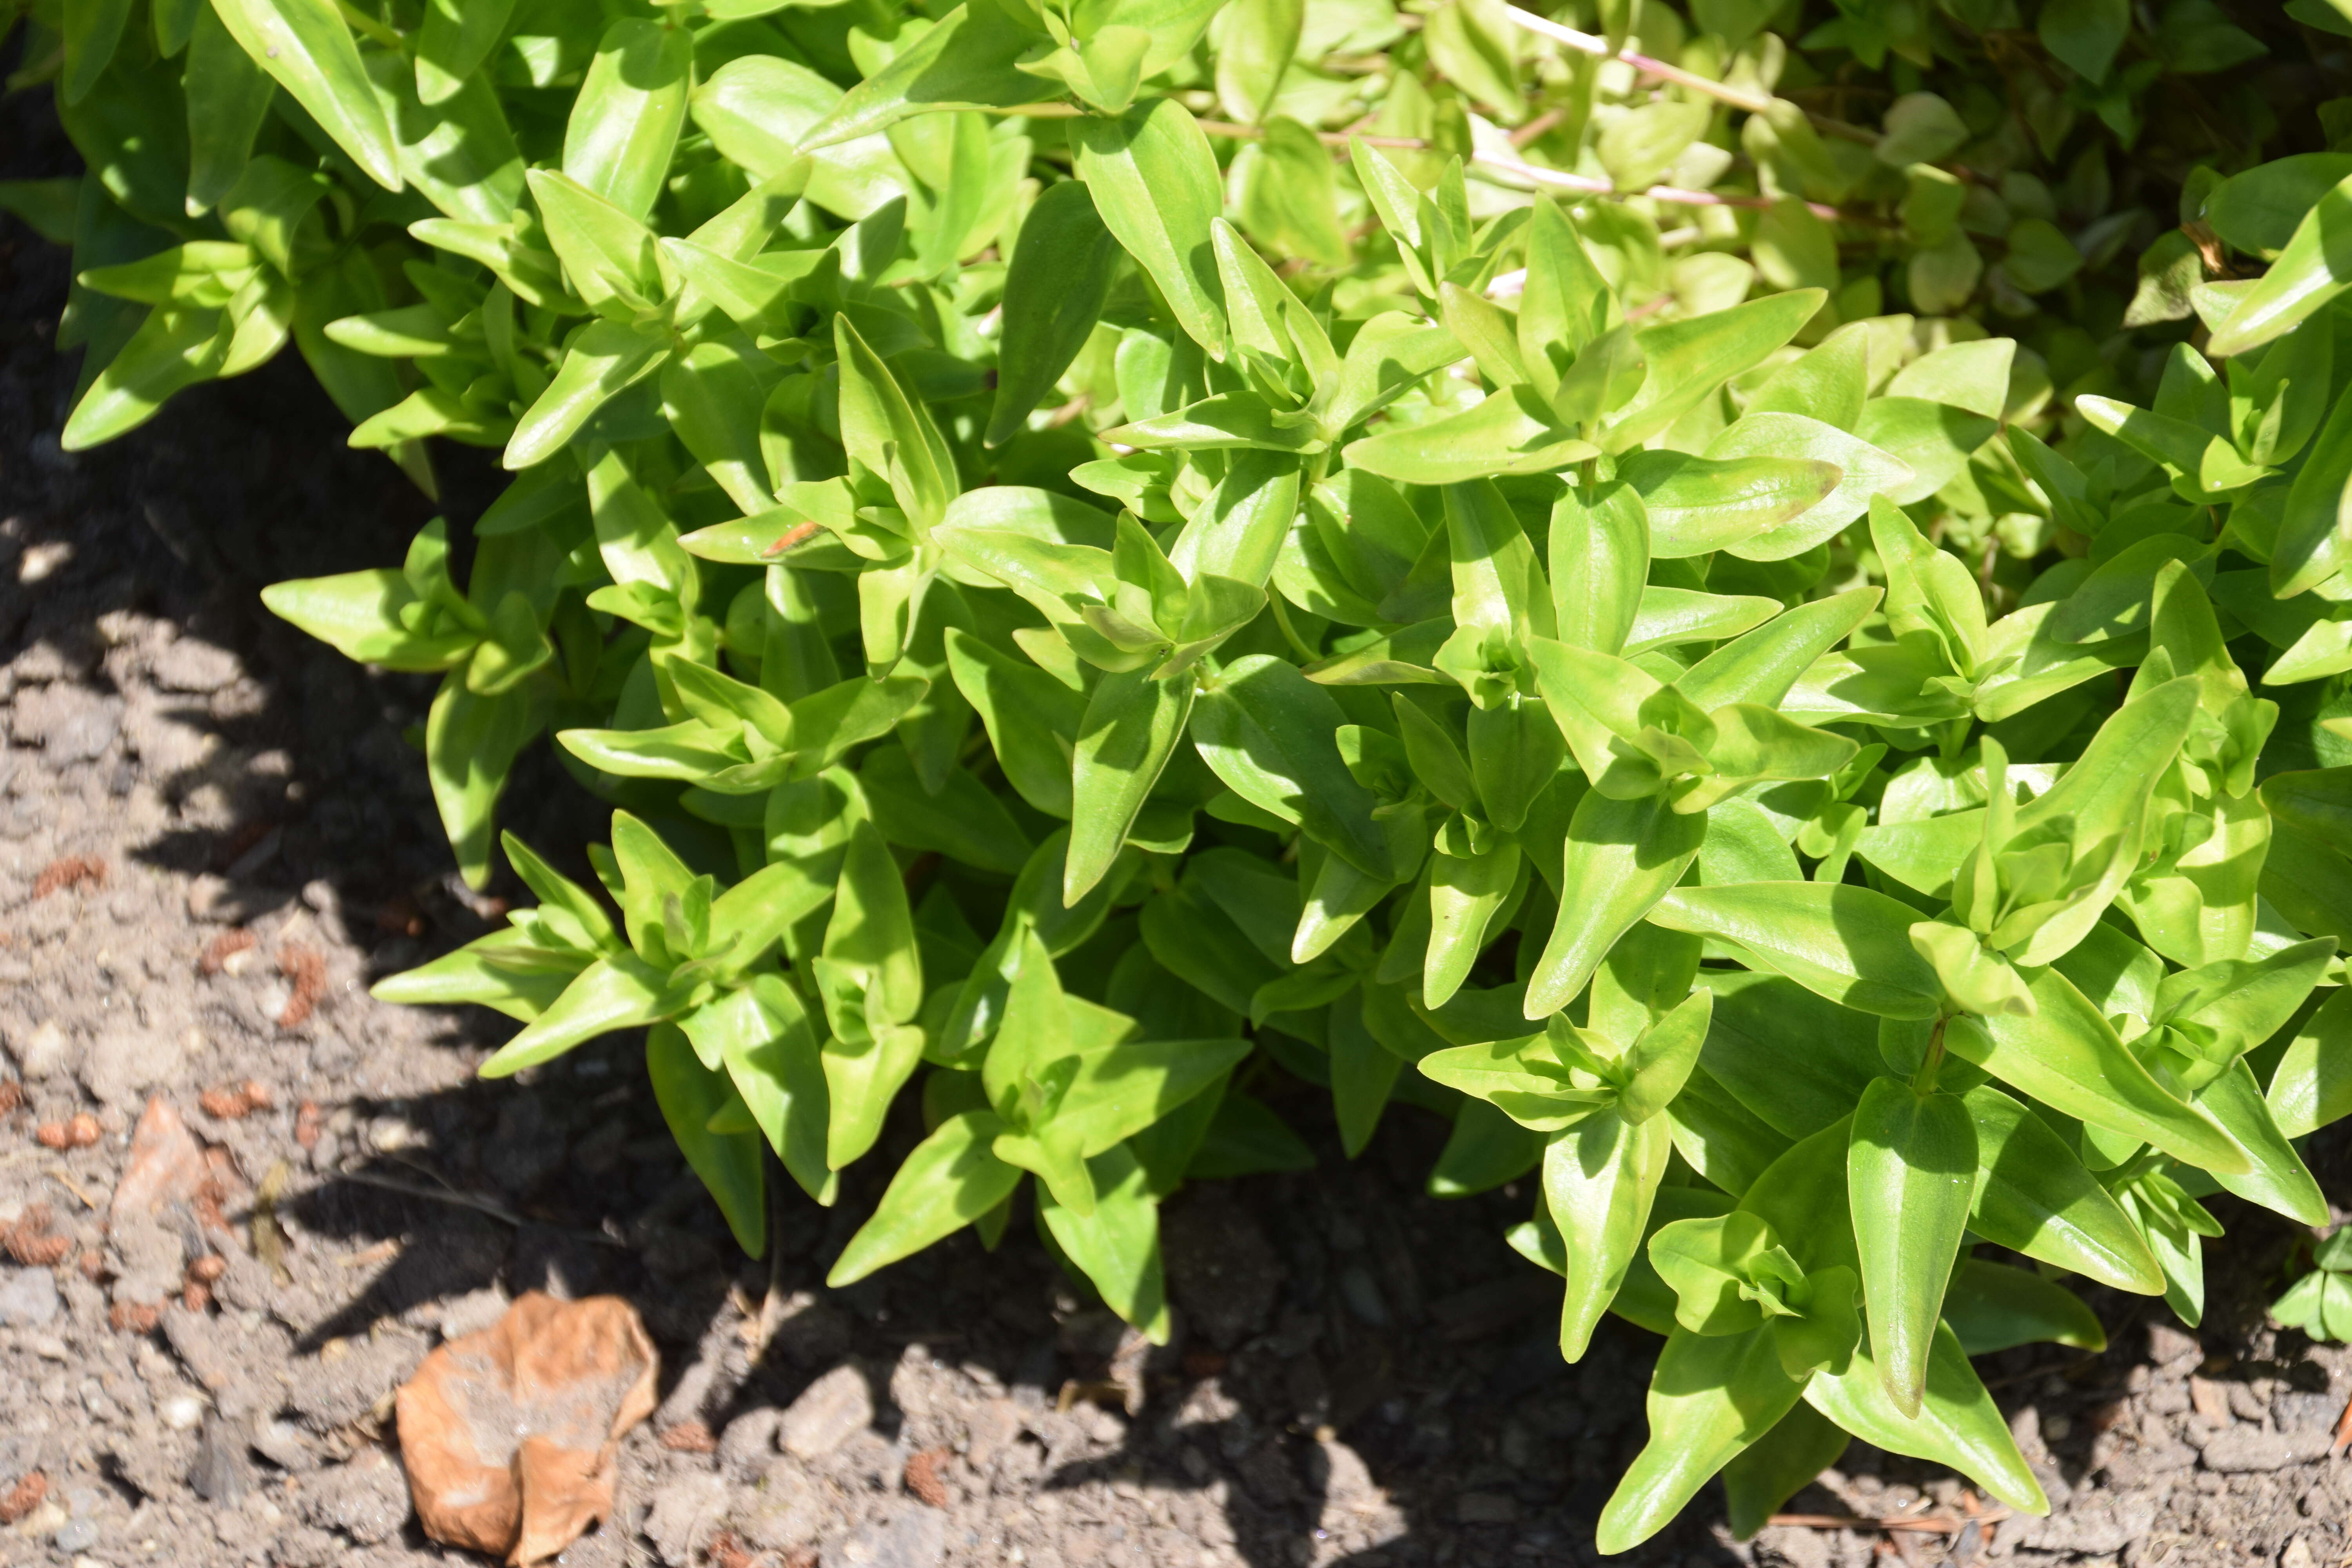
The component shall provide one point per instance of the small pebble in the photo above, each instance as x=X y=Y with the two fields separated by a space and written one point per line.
x=79 y=1536
x=183 y=1412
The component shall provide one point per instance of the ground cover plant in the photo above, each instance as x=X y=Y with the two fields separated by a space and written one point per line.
x=1750 y=606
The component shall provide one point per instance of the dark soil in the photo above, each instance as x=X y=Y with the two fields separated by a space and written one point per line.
x=212 y=835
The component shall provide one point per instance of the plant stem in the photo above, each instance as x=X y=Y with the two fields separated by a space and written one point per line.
x=1534 y=174
x=1723 y=91
x=362 y=22
x=1923 y=1083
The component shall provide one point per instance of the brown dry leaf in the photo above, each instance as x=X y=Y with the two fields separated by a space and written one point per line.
x=511 y=1437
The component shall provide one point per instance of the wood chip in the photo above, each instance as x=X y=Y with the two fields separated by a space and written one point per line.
x=689 y=1437
x=306 y=966
x=1925 y=1524
x=221 y=948
x=24 y=1498
x=924 y=1478
x=68 y=872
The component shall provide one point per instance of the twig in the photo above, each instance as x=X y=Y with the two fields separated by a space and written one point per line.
x=495 y=1210
x=64 y=1180
x=1557 y=179
x=1928 y=1524
x=1592 y=44
x=1538 y=126
x=1754 y=103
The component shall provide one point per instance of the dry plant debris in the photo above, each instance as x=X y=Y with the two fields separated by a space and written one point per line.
x=512 y=1436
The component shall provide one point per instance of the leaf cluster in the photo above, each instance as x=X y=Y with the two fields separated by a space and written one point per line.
x=1103 y=555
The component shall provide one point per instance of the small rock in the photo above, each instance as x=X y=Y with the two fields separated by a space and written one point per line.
x=166 y=1166
x=1794 y=1548
x=784 y=1513
x=1346 y=1482
x=29 y=1298
x=43 y=561
x=367 y=1498
x=1223 y=1272
x=2211 y=1400
x=688 y=1395
x=282 y=1444
x=1485 y=1508
x=2097 y=1527
x=182 y=1412
x=43 y=1051
x=71 y=723
x=827 y=1413
x=472 y=1313
x=1362 y=1295
x=77 y=1535
x=336 y=1393
x=147 y=1465
x=992 y=1428
x=200 y=1343
x=812 y=1332
x=186 y=665
x=219 y=1474
x=2297 y=1554
x=683 y=1514
x=909 y=1536
x=2239 y=1449
x=124 y=1062
x=2167 y=1343
x=747 y=1441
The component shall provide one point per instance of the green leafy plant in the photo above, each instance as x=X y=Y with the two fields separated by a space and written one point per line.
x=2320 y=1303
x=1101 y=554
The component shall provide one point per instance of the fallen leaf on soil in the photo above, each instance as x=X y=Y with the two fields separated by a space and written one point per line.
x=24 y=1498
x=71 y=871
x=166 y=1166
x=512 y=1436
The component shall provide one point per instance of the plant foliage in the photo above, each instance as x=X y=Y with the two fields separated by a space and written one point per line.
x=1505 y=563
